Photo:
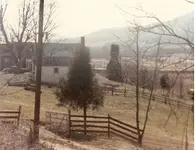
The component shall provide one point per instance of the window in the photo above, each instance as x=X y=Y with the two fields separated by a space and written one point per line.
x=56 y=70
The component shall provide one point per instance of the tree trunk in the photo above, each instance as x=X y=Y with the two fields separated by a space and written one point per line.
x=151 y=96
x=181 y=89
x=85 y=118
x=173 y=91
x=143 y=91
x=165 y=99
x=140 y=139
x=137 y=91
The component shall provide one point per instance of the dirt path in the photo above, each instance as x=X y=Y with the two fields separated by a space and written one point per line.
x=58 y=143
x=99 y=143
x=55 y=146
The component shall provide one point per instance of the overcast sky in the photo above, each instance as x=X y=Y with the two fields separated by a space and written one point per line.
x=80 y=17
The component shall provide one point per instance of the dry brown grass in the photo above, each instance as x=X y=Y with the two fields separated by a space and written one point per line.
x=117 y=106
x=13 y=137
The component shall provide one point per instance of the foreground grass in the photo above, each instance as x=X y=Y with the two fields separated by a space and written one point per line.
x=117 y=106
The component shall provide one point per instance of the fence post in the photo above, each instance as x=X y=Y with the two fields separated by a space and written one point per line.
x=177 y=103
x=153 y=98
x=125 y=92
x=108 y=125
x=112 y=90
x=19 y=112
x=50 y=117
x=69 y=125
x=165 y=100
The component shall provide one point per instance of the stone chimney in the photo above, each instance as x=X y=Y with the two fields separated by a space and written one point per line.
x=114 y=53
x=83 y=41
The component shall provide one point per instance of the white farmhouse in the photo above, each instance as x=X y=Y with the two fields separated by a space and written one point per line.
x=56 y=62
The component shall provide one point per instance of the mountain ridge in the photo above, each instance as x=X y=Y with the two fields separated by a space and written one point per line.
x=100 y=41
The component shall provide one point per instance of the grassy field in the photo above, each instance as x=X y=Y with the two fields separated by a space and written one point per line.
x=117 y=106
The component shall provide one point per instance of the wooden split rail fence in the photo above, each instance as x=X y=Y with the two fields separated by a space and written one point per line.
x=10 y=116
x=58 y=122
x=70 y=123
x=113 y=90
x=120 y=128
x=103 y=124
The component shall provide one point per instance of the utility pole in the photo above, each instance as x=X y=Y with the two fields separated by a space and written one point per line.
x=38 y=73
x=85 y=108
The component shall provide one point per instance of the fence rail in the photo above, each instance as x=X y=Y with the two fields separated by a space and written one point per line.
x=97 y=124
x=58 y=122
x=6 y=115
x=109 y=88
x=100 y=117
x=120 y=132
x=103 y=124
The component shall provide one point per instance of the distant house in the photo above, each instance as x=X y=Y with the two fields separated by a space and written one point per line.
x=27 y=52
x=5 y=60
x=10 y=54
x=56 y=61
x=54 y=68
x=5 y=57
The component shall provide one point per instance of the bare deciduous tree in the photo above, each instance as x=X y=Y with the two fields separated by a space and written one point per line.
x=138 y=64
x=189 y=1
x=27 y=28
x=181 y=87
x=140 y=60
x=163 y=29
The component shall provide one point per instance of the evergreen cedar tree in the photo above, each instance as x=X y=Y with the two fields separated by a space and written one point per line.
x=81 y=90
x=164 y=82
x=114 y=69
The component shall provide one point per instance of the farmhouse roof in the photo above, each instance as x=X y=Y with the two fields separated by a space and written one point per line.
x=60 y=49
x=55 y=61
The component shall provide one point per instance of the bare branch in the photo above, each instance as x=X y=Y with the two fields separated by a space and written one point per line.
x=14 y=33
x=168 y=29
x=55 y=48
x=191 y=2
x=169 y=116
x=151 y=92
x=2 y=14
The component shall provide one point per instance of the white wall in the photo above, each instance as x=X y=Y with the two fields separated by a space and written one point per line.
x=48 y=75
